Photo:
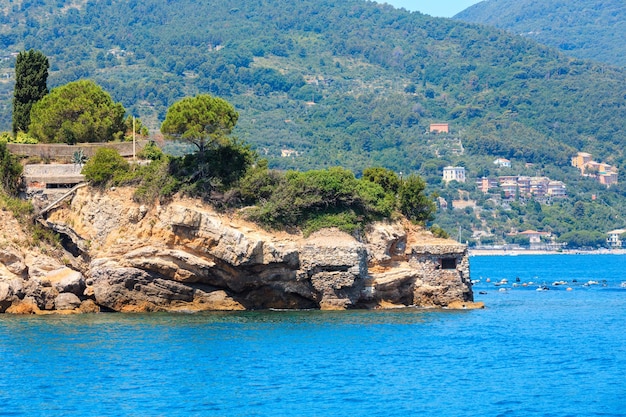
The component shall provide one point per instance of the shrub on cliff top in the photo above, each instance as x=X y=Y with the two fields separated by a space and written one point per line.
x=10 y=170
x=104 y=166
x=317 y=199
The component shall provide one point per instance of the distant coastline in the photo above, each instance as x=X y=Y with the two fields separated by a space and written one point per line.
x=516 y=252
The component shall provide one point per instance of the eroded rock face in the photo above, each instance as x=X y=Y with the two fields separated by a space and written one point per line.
x=186 y=257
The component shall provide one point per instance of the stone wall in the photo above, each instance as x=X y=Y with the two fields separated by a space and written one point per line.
x=57 y=151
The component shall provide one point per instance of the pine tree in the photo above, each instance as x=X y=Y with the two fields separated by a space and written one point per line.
x=31 y=76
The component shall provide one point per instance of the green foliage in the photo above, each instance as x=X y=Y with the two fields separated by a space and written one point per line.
x=152 y=152
x=375 y=199
x=304 y=196
x=258 y=185
x=521 y=240
x=202 y=120
x=10 y=170
x=386 y=178
x=214 y=170
x=315 y=199
x=105 y=165
x=416 y=206
x=154 y=182
x=31 y=85
x=346 y=221
x=40 y=234
x=356 y=84
x=582 y=37
x=437 y=231
x=584 y=239
x=387 y=74
x=19 y=137
x=22 y=209
x=139 y=127
x=80 y=111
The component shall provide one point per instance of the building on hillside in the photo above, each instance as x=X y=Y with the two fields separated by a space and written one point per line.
x=602 y=172
x=507 y=178
x=523 y=183
x=509 y=188
x=614 y=240
x=581 y=159
x=608 y=178
x=485 y=184
x=539 y=186
x=442 y=204
x=286 y=153
x=536 y=239
x=52 y=176
x=557 y=189
x=521 y=186
x=502 y=163
x=439 y=128
x=454 y=174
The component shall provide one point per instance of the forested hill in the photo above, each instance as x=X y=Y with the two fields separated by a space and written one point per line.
x=588 y=29
x=349 y=82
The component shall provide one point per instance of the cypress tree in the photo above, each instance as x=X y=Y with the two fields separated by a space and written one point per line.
x=31 y=77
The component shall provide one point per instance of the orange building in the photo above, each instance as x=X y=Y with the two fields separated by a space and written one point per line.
x=581 y=159
x=439 y=128
x=604 y=173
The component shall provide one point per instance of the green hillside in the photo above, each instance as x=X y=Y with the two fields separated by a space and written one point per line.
x=587 y=29
x=350 y=83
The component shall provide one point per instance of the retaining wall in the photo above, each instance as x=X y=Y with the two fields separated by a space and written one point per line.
x=63 y=151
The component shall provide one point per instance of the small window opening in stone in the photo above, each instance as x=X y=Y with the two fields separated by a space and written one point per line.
x=448 y=263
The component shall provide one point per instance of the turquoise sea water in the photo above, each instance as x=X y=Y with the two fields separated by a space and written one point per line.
x=529 y=353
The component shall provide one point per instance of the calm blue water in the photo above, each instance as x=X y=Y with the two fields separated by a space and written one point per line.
x=530 y=353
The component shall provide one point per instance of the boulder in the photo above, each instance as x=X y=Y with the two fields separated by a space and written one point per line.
x=39 y=265
x=89 y=306
x=7 y=296
x=215 y=300
x=67 y=280
x=26 y=306
x=13 y=261
x=122 y=288
x=66 y=301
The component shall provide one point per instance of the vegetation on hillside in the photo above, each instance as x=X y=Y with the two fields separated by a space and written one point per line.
x=320 y=84
x=353 y=83
x=587 y=29
x=229 y=175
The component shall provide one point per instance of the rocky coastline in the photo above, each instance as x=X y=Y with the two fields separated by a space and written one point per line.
x=184 y=256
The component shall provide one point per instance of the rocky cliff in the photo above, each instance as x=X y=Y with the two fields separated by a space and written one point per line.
x=184 y=256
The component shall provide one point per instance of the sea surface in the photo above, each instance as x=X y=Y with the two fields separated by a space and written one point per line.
x=556 y=352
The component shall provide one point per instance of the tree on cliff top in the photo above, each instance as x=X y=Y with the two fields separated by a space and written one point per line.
x=31 y=77
x=202 y=120
x=414 y=204
x=79 y=111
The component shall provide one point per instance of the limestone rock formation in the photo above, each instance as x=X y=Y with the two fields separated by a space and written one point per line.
x=184 y=256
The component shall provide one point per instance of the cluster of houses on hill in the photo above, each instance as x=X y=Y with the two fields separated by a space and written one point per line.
x=602 y=172
x=523 y=186
x=511 y=185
